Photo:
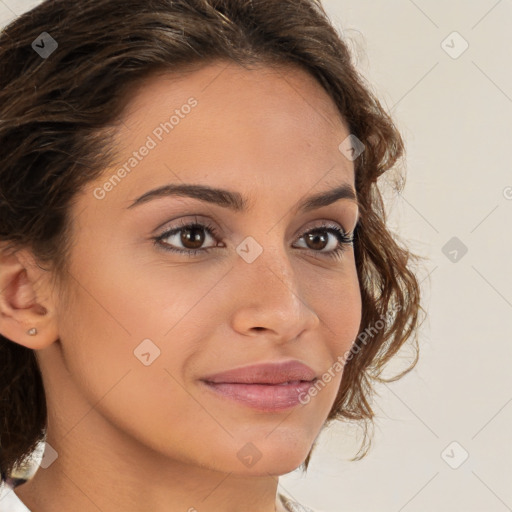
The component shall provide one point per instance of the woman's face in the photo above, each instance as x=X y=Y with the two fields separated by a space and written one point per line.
x=145 y=325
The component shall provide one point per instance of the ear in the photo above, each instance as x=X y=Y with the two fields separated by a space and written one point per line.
x=26 y=300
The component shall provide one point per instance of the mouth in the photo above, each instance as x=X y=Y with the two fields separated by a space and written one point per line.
x=278 y=372
x=270 y=386
x=263 y=396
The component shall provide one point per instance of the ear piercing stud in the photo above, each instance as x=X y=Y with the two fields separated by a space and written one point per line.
x=32 y=332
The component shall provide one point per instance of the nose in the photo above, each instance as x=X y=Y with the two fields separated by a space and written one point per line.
x=271 y=299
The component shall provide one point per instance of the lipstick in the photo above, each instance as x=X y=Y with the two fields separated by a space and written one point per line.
x=273 y=386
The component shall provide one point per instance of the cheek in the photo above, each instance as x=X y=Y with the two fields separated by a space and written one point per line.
x=96 y=342
x=133 y=321
x=342 y=315
x=101 y=322
x=340 y=306
x=348 y=314
x=99 y=342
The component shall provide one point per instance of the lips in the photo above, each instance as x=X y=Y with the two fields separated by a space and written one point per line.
x=264 y=397
x=277 y=373
x=270 y=387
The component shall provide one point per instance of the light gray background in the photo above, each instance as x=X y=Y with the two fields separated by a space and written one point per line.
x=455 y=115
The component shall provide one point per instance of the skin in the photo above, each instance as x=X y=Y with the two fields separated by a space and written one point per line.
x=135 y=437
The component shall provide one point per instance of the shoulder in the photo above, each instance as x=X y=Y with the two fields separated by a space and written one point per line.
x=290 y=505
x=9 y=502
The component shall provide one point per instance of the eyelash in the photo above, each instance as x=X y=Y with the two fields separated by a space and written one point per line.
x=345 y=239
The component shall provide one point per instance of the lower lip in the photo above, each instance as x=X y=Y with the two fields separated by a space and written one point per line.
x=265 y=397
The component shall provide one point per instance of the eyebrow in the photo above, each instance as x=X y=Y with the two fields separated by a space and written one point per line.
x=239 y=203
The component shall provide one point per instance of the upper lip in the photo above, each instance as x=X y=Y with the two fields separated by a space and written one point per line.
x=267 y=373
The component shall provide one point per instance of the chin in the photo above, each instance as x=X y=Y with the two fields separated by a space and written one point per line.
x=274 y=466
x=268 y=457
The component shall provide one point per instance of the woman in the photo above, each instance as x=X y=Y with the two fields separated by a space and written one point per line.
x=166 y=371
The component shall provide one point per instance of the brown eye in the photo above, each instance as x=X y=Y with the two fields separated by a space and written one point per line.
x=317 y=240
x=190 y=236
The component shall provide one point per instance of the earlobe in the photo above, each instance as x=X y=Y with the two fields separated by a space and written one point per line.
x=24 y=317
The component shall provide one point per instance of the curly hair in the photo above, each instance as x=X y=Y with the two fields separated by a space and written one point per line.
x=59 y=114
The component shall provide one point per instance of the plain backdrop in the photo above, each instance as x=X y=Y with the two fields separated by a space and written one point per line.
x=442 y=439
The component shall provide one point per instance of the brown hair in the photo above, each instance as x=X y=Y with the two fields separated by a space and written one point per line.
x=58 y=117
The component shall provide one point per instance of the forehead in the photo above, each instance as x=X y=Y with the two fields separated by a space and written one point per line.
x=284 y=101
x=258 y=129
x=220 y=82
